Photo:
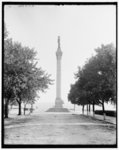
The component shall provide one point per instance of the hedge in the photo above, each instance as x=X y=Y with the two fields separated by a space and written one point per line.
x=107 y=112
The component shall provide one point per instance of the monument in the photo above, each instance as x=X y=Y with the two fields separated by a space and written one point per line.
x=58 y=101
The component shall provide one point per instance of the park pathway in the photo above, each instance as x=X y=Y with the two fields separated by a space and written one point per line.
x=55 y=128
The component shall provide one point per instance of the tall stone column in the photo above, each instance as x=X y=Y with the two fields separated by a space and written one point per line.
x=58 y=101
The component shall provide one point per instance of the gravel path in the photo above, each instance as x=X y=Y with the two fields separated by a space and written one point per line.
x=58 y=129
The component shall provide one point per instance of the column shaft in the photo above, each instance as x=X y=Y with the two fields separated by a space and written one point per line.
x=58 y=83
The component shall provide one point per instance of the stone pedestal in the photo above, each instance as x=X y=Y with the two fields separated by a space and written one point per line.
x=58 y=103
x=54 y=109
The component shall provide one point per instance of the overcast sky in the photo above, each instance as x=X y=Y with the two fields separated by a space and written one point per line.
x=81 y=29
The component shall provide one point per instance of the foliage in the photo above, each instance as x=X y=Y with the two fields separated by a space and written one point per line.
x=22 y=78
x=96 y=81
x=73 y=95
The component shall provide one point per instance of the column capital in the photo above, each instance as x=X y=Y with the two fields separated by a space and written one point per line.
x=58 y=52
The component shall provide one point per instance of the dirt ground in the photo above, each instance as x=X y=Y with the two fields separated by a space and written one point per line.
x=58 y=129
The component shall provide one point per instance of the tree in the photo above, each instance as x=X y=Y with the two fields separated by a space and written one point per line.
x=106 y=57
x=21 y=74
x=73 y=94
x=96 y=81
x=8 y=76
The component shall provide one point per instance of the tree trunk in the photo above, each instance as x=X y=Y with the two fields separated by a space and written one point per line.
x=103 y=109
x=19 y=110
x=93 y=110
x=31 y=106
x=87 y=109
x=24 y=108
x=31 y=109
x=82 y=109
x=74 y=107
x=6 y=109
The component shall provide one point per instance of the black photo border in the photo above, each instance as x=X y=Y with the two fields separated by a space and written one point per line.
x=2 y=60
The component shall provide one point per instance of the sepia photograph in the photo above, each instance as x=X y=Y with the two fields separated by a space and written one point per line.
x=59 y=74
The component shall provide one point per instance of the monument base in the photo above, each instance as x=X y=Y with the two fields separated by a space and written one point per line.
x=59 y=103
x=54 y=109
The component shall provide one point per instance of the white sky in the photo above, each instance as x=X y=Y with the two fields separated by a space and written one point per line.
x=81 y=28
